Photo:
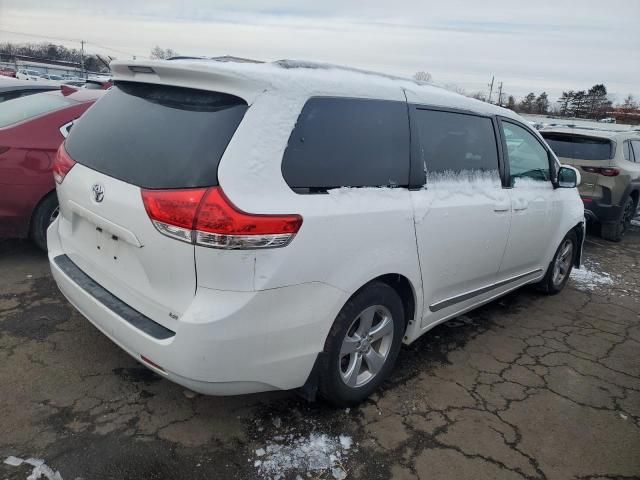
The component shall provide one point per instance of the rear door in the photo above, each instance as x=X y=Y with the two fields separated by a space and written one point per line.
x=141 y=136
x=462 y=214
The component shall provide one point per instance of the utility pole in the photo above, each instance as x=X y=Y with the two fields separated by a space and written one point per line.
x=500 y=95
x=491 y=88
x=84 y=75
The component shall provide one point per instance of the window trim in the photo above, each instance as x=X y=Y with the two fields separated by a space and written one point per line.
x=417 y=175
x=554 y=165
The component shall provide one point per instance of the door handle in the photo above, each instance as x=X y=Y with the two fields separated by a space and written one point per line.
x=520 y=204
x=501 y=208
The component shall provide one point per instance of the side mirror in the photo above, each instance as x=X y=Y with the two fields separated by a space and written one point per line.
x=568 y=177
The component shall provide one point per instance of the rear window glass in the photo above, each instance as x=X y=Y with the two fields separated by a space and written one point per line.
x=455 y=142
x=22 y=108
x=157 y=136
x=579 y=147
x=347 y=142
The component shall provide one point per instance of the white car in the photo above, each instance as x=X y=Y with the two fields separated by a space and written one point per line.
x=25 y=74
x=52 y=77
x=240 y=228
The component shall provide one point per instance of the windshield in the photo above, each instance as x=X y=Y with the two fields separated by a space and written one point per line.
x=22 y=108
x=579 y=147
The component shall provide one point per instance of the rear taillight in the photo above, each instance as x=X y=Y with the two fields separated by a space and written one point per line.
x=606 y=171
x=206 y=217
x=62 y=165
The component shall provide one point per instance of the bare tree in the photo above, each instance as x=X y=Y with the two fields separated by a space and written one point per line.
x=422 y=76
x=629 y=103
x=479 y=96
x=452 y=87
x=158 y=53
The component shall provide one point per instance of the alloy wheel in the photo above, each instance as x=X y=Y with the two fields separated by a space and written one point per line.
x=366 y=346
x=563 y=261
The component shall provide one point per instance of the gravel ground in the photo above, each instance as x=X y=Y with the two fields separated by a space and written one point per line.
x=526 y=387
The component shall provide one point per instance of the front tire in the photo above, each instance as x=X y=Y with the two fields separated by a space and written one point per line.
x=362 y=346
x=45 y=213
x=560 y=267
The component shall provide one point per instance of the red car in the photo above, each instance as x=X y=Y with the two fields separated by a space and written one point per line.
x=8 y=72
x=31 y=130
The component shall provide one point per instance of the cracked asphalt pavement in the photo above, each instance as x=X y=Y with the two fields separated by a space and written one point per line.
x=528 y=386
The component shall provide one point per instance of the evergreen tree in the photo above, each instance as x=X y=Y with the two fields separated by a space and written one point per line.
x=527 y=103
x=579 y=104
x=597 y=101
x=565 y=103
x=542 y=103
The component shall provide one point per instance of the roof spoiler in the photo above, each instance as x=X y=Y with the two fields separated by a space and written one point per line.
x=213 y=76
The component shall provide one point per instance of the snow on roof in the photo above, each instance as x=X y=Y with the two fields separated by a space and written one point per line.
x=295 y=77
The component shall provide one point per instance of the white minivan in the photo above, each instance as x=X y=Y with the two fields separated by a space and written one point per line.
x=248 y=227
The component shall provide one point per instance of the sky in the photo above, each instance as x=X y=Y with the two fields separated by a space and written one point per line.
x=528 y=45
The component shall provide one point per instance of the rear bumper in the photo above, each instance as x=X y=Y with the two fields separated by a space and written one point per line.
x=226 y=343
x=597 y=211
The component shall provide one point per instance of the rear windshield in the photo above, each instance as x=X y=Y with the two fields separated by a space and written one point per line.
x=157 y=136
x=579 y=147
x=19 y=109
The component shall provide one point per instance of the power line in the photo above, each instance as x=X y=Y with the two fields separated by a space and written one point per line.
x=48 y=37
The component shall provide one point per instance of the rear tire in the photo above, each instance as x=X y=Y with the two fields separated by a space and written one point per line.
x=45 y=213
x=615 y=231
x=561 y=265
x=362 y=346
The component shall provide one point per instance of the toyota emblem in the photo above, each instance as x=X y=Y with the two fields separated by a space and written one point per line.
x=98 y=192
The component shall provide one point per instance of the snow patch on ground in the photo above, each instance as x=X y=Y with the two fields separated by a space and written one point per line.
x=315 y=454
x=590 y=276
x=40 y=469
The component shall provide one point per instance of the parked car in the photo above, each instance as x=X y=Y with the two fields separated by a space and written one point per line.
x=31 y=129
x=49 y=76
x=609 y=163
x=240 y=228
x=11 y=88
x=8 y=72
x=25 y=74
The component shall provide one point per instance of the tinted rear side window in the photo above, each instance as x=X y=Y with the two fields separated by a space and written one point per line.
x=157 y=136
x=455 y=142
x=16 y=110
x=579 y=147
x=341 y=142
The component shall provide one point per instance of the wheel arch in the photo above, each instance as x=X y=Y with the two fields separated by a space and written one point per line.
x=403 y=287
x=35 y=209
x=580 y=230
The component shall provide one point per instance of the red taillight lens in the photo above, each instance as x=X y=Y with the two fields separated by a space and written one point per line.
x=207 y=217
x=606 y=171
x=62 y=165
x=175 y=207
x=609 y=172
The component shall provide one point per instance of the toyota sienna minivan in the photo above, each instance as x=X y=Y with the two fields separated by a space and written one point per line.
x=241 y=228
